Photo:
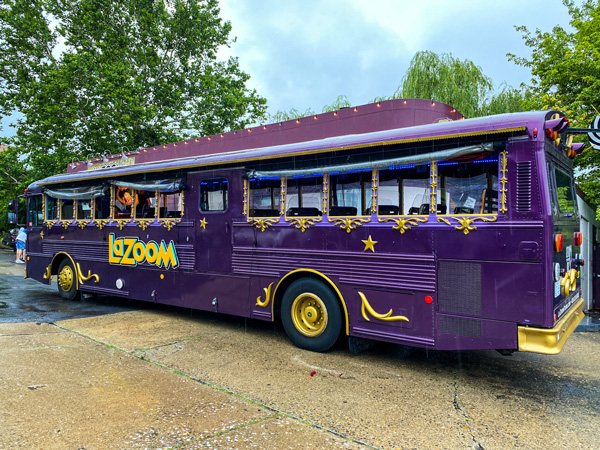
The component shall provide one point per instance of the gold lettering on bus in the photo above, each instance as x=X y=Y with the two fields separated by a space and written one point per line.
x=130 y=251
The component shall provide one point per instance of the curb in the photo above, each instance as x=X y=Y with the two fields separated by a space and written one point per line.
x=591 y=322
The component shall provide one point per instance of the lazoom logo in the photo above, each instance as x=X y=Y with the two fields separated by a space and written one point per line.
x=130 y=251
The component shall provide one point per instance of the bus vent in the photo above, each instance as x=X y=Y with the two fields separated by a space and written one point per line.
x=524 y=186
x=460 y=287
x=460 y=326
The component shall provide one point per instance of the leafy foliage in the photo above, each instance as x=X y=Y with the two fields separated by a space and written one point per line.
x=13 y=180
x=565 y=69
x=101 y=76
x=461 y=84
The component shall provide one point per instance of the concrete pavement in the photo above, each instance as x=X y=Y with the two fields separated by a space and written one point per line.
x=149 y=377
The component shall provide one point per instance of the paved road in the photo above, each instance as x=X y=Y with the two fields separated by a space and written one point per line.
x=103 y=374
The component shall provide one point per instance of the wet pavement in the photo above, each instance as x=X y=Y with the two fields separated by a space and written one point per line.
x=104 y=373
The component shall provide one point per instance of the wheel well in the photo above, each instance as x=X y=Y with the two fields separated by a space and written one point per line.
x=55 y=264
x=288 y=279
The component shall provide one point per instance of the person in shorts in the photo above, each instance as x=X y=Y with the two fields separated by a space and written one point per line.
x=20 y=243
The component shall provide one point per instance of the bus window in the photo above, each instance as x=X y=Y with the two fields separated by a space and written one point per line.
x=35 y=218
x=171 y=205
x=123 y=202
x=84 y=209
x=145 y=204
x=305 y=196
x=403 y=190
x=213 y=195
x=66 y=211
x=51 y=208
x=468 y=188
x=350 y=194
x=564 y=192
x=264 y=197
x=102 y=207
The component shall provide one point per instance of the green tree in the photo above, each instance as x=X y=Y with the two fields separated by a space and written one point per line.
x=340 y=102
x=101 y=76
x=13 y=180
x=461 y=84
x=282 y=116
x=565 y=70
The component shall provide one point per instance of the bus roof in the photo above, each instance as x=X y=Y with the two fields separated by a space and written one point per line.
x=515 y=123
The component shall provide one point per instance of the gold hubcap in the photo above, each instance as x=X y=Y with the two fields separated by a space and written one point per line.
x=309 y=315
x=65 y=278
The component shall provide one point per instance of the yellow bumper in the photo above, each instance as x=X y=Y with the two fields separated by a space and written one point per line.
x=550 y=341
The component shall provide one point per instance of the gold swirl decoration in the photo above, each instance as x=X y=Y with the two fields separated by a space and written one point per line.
x=267 y=297
x=82 y=223
x=303 y=223
x=81 y=278
x=65 y=223
x=349 y=223
x=503 y=181
x=434 y=183
x=367 y=308
x=464 y=223
x=144 y=223
x=374 y=189
x=263 y=224
x=48 y=273
x=404 y=223
x=101 y=223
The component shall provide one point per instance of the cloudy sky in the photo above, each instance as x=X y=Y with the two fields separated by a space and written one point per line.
x=304 y=53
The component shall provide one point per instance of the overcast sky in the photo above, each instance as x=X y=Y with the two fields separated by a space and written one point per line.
x=304 y=53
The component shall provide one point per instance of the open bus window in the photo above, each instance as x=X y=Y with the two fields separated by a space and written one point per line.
x=145 y=204
x=102 y=207
x=35 y=217
x=564 y=193
x=51 y=208
x=403 y=190
x=123 y=202
x=66 y=210
x=304 y=196
x=350 y=194
x=213 y=195
x=84 y=209
x=468 y=188
x=264 y=197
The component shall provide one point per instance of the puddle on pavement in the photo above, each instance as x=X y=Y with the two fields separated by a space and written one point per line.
x=30 y=301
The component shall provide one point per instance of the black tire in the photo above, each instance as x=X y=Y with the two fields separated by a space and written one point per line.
x=67 y=281
x=311 y=315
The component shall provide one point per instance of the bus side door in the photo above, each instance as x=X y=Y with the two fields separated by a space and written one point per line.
x=219 y=197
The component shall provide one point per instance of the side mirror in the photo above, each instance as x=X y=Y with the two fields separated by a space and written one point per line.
x=13 y=210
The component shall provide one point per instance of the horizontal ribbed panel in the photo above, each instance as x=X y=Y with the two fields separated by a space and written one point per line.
x=409 y=272
x=98 y=251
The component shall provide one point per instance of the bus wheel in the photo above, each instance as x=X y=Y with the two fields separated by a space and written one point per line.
x=311 y=315
x=67 y=285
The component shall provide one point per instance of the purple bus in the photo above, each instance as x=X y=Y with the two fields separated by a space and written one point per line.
x=395 y=221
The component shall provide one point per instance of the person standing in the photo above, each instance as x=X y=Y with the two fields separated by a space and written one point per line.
x=20 y=243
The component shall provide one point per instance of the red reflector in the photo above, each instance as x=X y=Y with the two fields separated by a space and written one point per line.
x=535 y=133
x=428 y=299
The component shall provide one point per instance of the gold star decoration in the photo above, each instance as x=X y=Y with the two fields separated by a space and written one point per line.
x=369 y=244
x=203 y=223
